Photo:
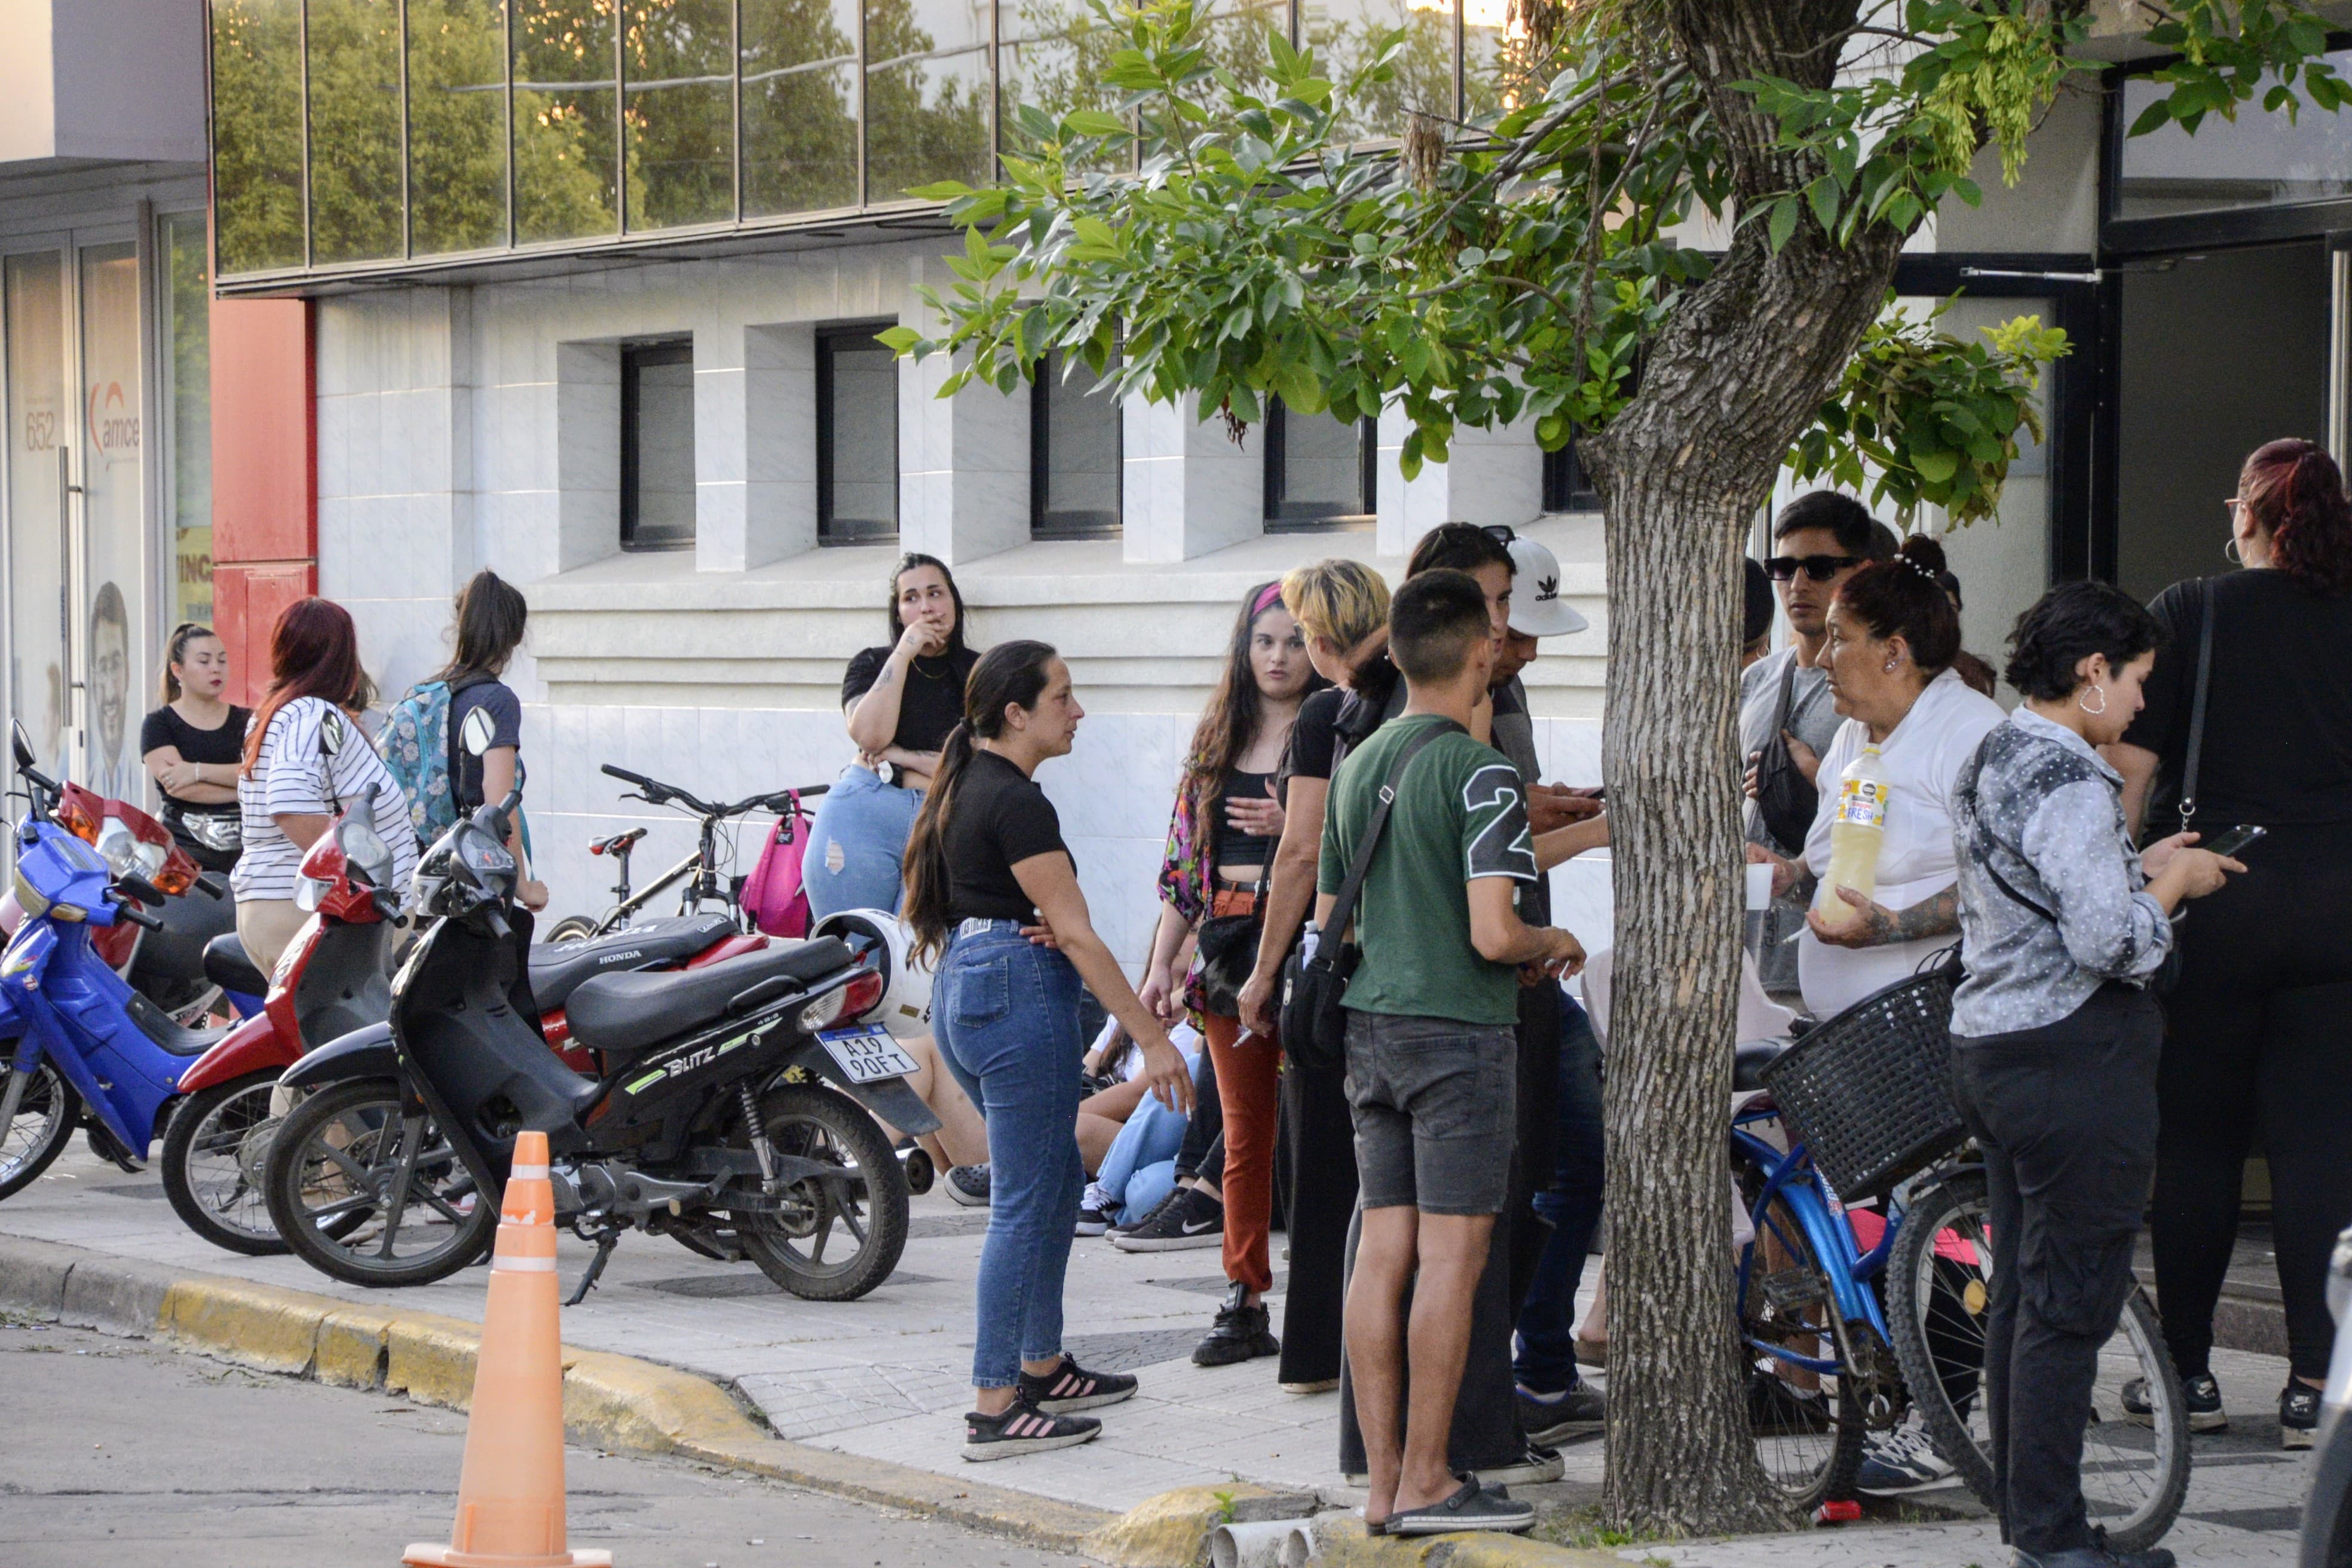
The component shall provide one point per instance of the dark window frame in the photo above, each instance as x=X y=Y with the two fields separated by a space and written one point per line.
x=829 y=341
x=1567 y=490
x=1042 y=521
x=1285 y=516
x=635 y=358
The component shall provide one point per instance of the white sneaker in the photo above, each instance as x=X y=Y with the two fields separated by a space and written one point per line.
x=1899 y=1461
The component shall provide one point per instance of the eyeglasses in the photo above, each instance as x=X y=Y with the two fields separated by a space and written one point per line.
x=2232 y=504
x=1820 y=568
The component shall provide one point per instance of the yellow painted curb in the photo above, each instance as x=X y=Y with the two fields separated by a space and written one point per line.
x=1172 y=1530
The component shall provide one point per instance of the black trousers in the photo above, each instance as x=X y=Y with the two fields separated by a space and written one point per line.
x=2066 y=1117
x=1202 y=1152
x=2259 y=1042
x=1318 y=1159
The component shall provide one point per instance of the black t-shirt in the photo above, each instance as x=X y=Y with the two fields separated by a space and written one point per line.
x=998 y=819
x=932 y=703
x=2278 y=713
x=164 y=727
x=1307 y=754
x=496 y=699
x=1236 y=847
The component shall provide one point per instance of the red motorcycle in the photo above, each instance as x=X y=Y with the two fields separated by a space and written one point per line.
x=332 y=981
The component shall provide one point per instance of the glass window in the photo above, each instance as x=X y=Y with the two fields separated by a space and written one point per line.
x=1498 y=65
x=188 y=415
x=354 y=129
x=2260 y=159
x=657 y=446
x=1053 y=57
x=928 y=91
x=1318 y=469
x=856 y=436
x=1235 y=39
x=1566 y=486
x=38 y=688
x=563 y=99
x=257 y=132
x=457 y=125
x=800 y=106
x=679 y=65
x=1344 y=33
x=113 y=482
x=1073 y=452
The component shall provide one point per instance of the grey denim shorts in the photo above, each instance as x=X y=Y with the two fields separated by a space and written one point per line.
x=1434 y=1106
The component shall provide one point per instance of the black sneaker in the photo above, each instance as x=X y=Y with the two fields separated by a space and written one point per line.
x=1580 y=1410
x=1472 y=1508
x=1534 y=1468
x=2202 y=1395
x=1092 y=1220
x=1189 y=1218
x=2098 y=1554
x=967 y=1184
x=1072 y=1387
x=1135 y=1222
x=1023 y=1429
x=1240 y=1333
x=2298 y=1415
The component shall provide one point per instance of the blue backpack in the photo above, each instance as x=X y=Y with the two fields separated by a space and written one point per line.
x=415 y=746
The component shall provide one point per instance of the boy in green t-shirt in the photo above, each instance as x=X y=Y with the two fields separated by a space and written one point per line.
x=1431 y=1045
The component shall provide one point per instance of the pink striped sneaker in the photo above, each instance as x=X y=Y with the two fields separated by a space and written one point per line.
x=1023 y=1429
x=1070 y=1386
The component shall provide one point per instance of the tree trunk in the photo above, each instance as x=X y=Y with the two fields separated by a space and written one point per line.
x=1736 y=376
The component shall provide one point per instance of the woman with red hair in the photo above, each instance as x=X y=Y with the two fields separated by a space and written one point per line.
x=2254 y=1034
x=306 y=758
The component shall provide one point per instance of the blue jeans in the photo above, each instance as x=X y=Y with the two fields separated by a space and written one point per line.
x=1546 y=1362
x=869 y=822
x=1139 y=1168
x=1005 y=1015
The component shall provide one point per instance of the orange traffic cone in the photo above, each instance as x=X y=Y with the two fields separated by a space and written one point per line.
x=511 y=1491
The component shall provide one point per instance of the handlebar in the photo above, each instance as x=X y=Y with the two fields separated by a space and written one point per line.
x=211 y=887
x=137 y=916
x=659 y=794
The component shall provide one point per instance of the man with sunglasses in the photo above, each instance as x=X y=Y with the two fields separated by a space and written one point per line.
x=1820 y=540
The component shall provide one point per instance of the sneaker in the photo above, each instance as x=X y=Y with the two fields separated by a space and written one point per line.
x=1472 y=1508
x=1898 y=1462
x=1537 y=1465
x=2298 y=1415
x=2202 y=1395
x=2098 y=1554
x=1132 y=1221
x=1023 y=1429
x=1775 y=1408
x=1583 y=1409
x=1319 y=1385
x=1093 y=1215
x=1189 y=1218
x=1240 y=1333
x=967 y=1184
x=1072 y=1387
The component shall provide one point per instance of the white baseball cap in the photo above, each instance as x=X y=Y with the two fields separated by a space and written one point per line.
x=1536 y=608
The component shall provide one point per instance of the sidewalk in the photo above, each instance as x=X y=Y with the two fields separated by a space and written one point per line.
x=885 y=1378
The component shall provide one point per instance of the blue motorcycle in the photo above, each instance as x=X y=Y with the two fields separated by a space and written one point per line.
x=81 y=1046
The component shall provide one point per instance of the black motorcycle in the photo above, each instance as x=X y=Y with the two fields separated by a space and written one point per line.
x=730 y=1113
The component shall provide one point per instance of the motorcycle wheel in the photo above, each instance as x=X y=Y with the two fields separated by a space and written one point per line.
x=44 y=1125
x=334 y=1167
x=2327 y=1516
x=216 y=1163
x=570 y=928
x=864 y=1205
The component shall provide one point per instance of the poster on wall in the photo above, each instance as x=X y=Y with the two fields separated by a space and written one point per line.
x=113 y=502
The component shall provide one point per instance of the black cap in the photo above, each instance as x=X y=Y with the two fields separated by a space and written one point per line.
x=1759 y=602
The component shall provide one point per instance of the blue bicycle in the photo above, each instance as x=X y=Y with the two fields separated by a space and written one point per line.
x=1843 y=1342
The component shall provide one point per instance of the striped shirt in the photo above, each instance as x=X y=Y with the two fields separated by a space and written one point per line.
x=292 y=776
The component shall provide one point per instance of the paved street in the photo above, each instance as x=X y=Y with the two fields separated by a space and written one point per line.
x=885 y=1376
x=116 y=1450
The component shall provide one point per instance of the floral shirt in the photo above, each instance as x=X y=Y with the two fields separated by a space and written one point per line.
x=2037 y=806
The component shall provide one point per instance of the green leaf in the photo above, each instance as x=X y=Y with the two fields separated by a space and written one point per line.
x=1782 y=223
x=1094 y=122
x=942 y=191
x=899 y=339
x=1936 y=466
x=1822 y=196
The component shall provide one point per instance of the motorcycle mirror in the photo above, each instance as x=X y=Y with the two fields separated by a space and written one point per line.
x=22 y=743
x=475 y=734
x=333 y=733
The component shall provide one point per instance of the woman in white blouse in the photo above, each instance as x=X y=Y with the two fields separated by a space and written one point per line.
x=1893 y=638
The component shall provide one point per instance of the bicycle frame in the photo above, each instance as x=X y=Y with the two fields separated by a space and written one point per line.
x=1852 y=1273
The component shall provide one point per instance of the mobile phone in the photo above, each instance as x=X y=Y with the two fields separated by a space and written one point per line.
x=2230 y=840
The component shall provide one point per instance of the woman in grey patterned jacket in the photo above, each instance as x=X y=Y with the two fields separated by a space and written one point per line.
x=2054 y=1041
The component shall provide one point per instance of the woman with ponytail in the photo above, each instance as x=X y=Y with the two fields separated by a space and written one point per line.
x=192 y=746
x=992 y=898
x=2253 y=1041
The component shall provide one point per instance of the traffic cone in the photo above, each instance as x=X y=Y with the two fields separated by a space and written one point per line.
x=511 y=1490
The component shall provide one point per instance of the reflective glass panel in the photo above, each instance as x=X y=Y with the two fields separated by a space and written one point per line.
x=1052 y=57
x=926 y=119
x=1076 y=451
x=112 y=659
x=257 y=132
x=657 y=446
x=677 y=62
x=37 y=533
x=354 y=129
x=800 y=106
x=2262 y=160
x=457 y=125
x=188 y=416
x=1322 y=471
x=1499 y=71
x=1346 y=34
x=1235 y=38
x=858 y=431
x=564 y=104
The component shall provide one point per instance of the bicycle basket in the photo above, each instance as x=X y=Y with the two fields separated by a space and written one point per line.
x=1870 y=1090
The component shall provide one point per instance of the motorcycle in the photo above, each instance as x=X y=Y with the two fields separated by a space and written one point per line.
x=732 y=1110
x=2327 y=1516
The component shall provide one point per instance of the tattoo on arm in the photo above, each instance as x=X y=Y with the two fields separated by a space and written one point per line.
x=1936 y=916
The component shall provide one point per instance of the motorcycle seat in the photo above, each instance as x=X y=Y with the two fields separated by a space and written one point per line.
x=226 y=966
x=557 y=968
x=1749 y=1059
x=632 y=1013
x=157 y=1025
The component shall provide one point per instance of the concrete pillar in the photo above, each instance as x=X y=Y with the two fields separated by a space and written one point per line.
x=1491 y=476
x=755 y=446
x=964 y=465
x=1189 y=488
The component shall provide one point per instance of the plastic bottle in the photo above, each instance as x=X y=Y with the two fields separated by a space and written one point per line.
x=1857 y=832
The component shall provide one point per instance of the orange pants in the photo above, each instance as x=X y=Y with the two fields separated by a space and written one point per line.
x=1248 y=1090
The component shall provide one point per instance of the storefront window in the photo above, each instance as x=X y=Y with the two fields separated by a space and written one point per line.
x=355 y=54
x=657 y=446
x=1075 y=450
x=38 y=422
x=1318 y=470
x=800 y=106
x=857 y=436
x=2257 y=160
x=564 y=107
x=188 y=415
x=926 y=95
x=679 y=59
x=112 y=661
x=1566 y=486
x=257 y=132
x=457 y=125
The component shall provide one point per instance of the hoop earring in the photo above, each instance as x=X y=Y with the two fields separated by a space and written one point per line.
x=2085 y=706
x=2230 y=552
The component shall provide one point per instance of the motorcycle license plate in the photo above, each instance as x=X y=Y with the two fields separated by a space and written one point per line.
x=866 y=1054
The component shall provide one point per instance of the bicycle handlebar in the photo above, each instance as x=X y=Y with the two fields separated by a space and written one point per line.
x=659 y=794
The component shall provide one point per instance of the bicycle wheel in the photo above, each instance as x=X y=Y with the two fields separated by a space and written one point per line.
x=1807 y=1424
x=1940 y=1294
x=570 y=928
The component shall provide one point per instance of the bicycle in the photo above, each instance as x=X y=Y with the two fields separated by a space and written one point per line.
x=700 y=871
x=1842 y=1340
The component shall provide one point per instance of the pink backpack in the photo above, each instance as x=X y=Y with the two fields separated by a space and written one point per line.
x=773 y=895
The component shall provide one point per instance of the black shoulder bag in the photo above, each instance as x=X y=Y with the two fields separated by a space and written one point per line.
x=1228 y=947
x=1786 y=800
x=1314 y=1023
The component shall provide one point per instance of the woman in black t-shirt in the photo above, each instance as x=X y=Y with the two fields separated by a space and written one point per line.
x=993 y=895
x=2254 y=1029
x=192 y=744
x=901 y=701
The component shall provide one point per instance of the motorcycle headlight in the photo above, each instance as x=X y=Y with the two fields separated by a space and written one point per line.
x=118 y=847
x=308 y=891
x=365 y=853
x=486 y=855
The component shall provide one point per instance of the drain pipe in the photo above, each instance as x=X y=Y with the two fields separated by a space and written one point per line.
x=1272 y=1543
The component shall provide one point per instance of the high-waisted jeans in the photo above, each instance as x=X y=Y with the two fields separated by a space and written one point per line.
x=856 y=844
x=1005 y=1015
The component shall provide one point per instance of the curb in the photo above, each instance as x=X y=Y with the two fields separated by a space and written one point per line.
x=622 y=1403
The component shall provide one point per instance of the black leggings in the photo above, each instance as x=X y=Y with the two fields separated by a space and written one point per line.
x=2259 y=1040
